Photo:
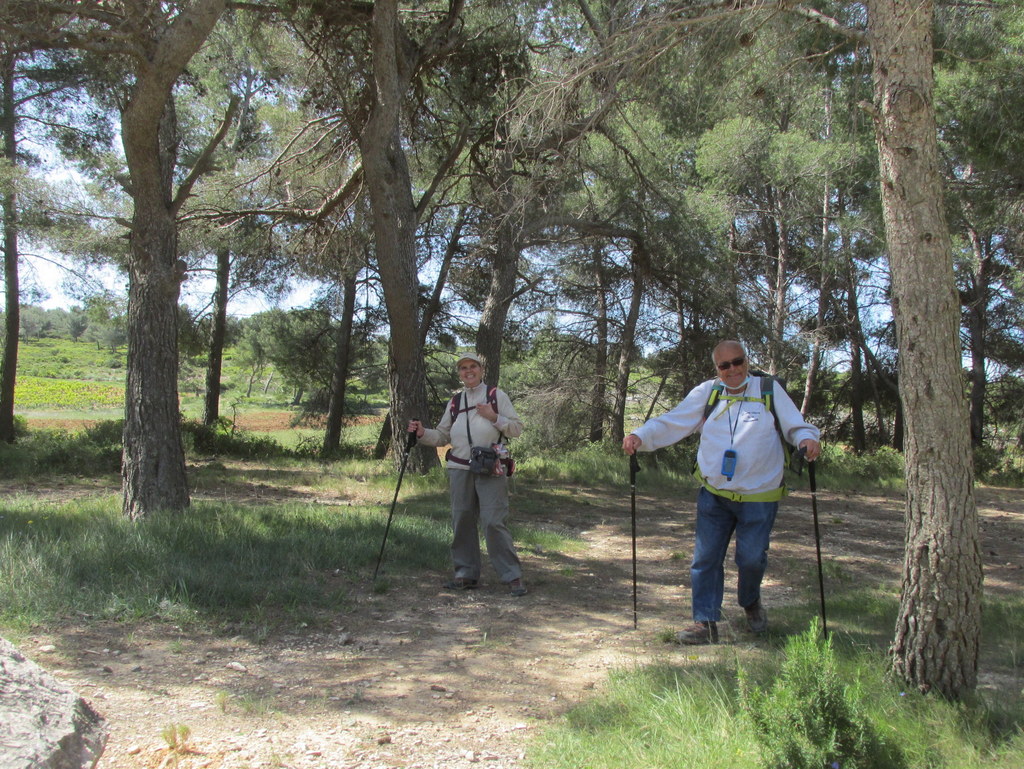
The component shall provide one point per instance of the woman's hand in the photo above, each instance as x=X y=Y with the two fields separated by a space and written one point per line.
x=415 y=426
x=487 y=411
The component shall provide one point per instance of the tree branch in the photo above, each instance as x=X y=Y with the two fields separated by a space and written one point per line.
x=204 y=163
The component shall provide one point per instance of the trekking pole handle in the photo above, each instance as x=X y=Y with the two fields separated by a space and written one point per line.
x=634 y=466
x=798 y=460
x=411 y=439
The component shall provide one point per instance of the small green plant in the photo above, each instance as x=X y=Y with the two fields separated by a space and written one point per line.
x=222 y=700
x=808 y=719
x=255 y=704
x=177 y=737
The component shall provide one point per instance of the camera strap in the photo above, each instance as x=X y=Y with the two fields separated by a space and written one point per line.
x=467 y=411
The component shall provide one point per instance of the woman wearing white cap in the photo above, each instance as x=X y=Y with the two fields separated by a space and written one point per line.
x=481 y=417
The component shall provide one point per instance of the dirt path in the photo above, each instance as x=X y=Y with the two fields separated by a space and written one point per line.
x=419 y=677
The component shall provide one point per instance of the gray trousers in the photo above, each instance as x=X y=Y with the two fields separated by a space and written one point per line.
x=481 y=500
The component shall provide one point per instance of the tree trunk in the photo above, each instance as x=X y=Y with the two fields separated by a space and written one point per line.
x=218 y=332
x=153 y=460
x=939 y=624
x=826 y=273
x=977 y=332
x=394 y=224
x=434 y=306
x=858 y=436
x=12 y=291
x=597 y=396
x=779 y=289
x=627 y=347
x=342 y=346
x=490 y=334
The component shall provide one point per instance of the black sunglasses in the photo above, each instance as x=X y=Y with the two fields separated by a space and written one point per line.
x=725 y=365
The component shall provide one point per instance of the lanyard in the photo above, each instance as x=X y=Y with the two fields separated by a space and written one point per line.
x=728 y=414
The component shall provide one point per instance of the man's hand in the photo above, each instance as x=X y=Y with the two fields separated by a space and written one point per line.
x=812 y=449
x=630 y=444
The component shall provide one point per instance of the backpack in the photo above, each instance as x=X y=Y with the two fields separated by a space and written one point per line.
x=767 y=398
x=492 y=398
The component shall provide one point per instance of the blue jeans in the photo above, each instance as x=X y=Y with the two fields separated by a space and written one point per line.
x=717 y=519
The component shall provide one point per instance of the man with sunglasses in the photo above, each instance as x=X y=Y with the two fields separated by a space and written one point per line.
x=740 y=463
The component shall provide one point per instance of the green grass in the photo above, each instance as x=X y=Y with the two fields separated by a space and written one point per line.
x=218 y=563
x=689 y=715
x=653 y=717
x=64 y=359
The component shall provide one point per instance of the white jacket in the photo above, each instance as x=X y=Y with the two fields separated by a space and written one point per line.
x=483 y=430
x=745 y=426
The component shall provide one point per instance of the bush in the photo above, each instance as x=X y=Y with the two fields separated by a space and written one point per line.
x=882 y=468
x=808 y=719
x=20 y=427
x=999 y=466
x=223 y=439
x=93 y=451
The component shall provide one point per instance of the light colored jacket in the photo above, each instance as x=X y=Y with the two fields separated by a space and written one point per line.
x=483 y=430
x=743 y=425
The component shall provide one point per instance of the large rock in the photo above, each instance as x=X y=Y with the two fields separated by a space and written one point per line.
x=43 y=724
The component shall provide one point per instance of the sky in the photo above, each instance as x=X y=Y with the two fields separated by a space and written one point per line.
x=50 y=273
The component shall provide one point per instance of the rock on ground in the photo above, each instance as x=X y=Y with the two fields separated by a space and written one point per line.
x=43 y=723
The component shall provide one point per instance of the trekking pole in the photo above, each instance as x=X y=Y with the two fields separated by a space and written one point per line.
x=409 y=443
x=797 y=465
x=817 y=545
x=634 y=468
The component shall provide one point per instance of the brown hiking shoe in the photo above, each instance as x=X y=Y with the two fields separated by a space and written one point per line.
x=698 y=633
x=757 y=617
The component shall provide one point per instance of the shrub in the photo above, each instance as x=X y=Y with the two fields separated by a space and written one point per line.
x=93 y=451
x=999 y=466
x=808 y=719
x=881 y=468
x=223 y=439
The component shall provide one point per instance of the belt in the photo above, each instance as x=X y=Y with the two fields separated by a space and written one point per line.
x=774 y=495
x=449 y=456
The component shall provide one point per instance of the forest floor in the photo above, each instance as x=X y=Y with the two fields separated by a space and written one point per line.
x=420 y=677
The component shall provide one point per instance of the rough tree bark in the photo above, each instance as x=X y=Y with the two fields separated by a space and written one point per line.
x=386 y=171
x=12 y=291
x=938 y=628
x=153 y=462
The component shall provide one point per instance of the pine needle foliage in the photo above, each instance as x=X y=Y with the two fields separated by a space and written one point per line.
x=808 y=719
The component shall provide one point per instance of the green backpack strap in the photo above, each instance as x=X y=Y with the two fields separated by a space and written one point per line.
x=768 y=393
x=767 y=397
x=716 y=393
